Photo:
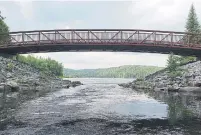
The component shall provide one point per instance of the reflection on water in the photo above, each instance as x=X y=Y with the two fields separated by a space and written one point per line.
x=180 y=106
x=97 y=108
x=139 y=110
x=10 y=102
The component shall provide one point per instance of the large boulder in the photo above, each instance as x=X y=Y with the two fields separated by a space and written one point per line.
x=66 y=82
x=76 y=83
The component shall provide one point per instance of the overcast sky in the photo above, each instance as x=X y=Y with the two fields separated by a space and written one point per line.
x=137 y=14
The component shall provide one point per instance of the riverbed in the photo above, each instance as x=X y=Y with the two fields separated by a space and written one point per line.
x=100 y=107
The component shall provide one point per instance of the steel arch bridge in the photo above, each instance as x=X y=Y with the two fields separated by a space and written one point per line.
x=129 y=40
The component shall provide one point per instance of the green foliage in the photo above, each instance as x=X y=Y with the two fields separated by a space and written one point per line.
x=173 y=62
x=10 y=66
x=186 y=59
x=173 y=65
x=129 y=71
x=178 y=109
x=4 y=31
x=45 y=65
x=139 y=79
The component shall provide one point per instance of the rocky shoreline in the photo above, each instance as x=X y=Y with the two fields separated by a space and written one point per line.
x=16 y=76
x=188 y=81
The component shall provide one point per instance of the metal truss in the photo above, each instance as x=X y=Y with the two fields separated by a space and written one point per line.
x=102 y=37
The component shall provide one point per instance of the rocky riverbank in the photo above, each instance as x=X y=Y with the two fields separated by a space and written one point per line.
x=189 y=80
x=16 y=76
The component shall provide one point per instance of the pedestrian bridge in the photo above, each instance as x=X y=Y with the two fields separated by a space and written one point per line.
x=121 y=40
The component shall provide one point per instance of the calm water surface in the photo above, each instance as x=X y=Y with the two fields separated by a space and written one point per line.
x=99 y=107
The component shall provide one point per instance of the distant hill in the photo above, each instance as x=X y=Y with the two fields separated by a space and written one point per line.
x=127 y=71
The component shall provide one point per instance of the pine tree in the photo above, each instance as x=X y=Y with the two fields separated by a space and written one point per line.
x=192 y=24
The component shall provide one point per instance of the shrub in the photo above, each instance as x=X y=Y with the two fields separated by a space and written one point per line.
x=10 y=66
x=173 y=63
x=174 y=74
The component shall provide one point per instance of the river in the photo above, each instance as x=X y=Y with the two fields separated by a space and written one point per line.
x=100 y=107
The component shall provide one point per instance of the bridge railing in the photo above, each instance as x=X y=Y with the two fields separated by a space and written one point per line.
x=125 y=37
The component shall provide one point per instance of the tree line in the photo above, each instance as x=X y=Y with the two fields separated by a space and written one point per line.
x=46 y=65
x=128 y=71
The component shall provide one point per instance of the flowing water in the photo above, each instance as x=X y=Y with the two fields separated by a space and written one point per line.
x=100 y=107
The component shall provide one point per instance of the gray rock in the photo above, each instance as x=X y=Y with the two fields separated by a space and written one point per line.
x=190 y=84
x=66 y=86
x=160 y=89
x=191 y=76
x=178 y=78
x=160 y=85
x=181 y=85
x=176 y=85
x=9 y=75
x=173 y=89
x=13 y=85
x=190 y=89
x=125 y=85
x=197 y=84
x=66 y=81
x=1 y=88
x=76 y=83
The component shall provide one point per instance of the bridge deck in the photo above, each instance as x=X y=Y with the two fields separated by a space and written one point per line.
x=101 y=40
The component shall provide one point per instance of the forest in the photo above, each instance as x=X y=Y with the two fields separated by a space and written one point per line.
x=127 y=71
